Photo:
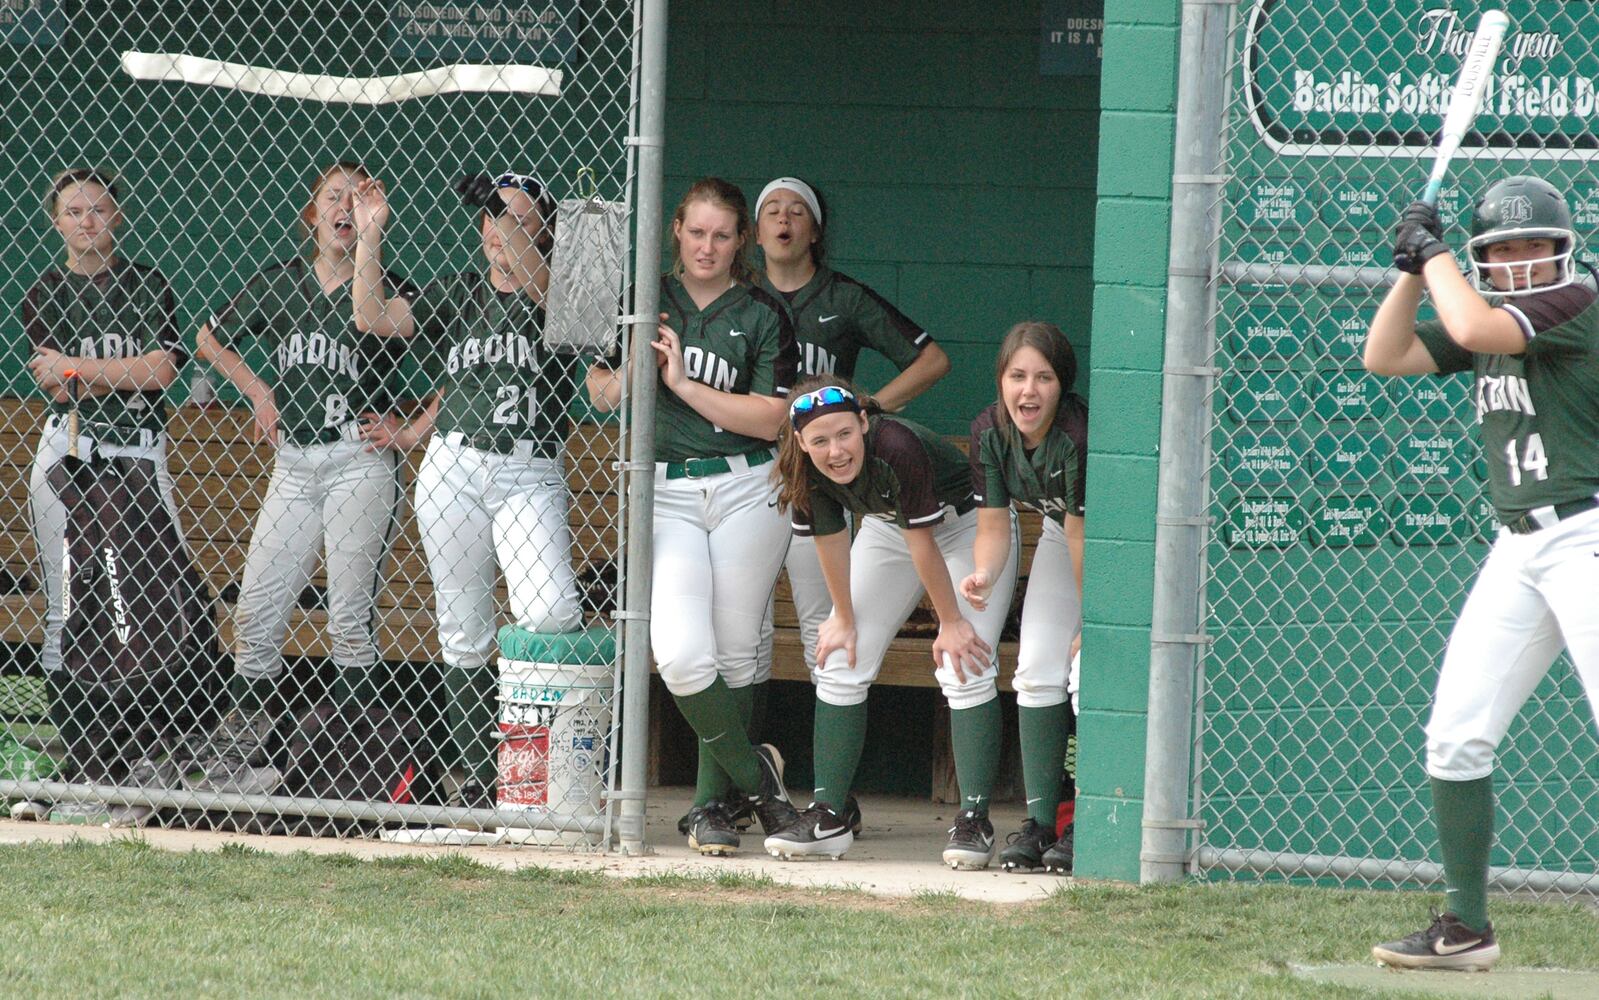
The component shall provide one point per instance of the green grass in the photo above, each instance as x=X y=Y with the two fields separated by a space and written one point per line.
x=128 y=920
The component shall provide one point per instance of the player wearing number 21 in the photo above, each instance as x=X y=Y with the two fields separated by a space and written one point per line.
x=492 y=488
x=326 y=486
x=1530 y=335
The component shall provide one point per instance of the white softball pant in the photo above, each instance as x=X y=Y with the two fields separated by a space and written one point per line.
x=336 y=493
x=885 y=589
x=719 y=543
x=49 y=514
x=478 y=510
x=812 y=604
x=1052 y=615
x=1534 y=596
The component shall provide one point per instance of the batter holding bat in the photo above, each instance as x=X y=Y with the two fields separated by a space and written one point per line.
x=1530 y=336
x=491 y=491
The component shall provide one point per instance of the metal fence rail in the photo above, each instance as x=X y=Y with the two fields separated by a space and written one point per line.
x=430 y=621
x=1349 y=511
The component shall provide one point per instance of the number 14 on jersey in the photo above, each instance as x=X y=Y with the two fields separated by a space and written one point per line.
x=1530 y=460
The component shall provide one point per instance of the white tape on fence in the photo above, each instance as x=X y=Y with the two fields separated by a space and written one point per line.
x=461 y=78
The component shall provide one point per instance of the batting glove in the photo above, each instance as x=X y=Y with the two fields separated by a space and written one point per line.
x=475 y=190
x=1419 y=213
x=1414 y=246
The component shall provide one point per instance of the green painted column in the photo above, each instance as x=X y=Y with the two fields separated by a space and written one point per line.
x=1131 y=237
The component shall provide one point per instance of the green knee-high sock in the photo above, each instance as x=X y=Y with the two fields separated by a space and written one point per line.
x=974 y=734
x=715 y=715
x=471 y=717
x=759 y=693
x=251 y=694
x=838 y=736
x=712 y=784
x=1044 y=732
x=1464 y=812
x=354 y=688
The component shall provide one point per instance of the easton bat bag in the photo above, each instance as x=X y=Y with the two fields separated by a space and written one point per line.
x=139 y=639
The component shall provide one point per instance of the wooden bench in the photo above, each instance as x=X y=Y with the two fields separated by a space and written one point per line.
x=220 y=476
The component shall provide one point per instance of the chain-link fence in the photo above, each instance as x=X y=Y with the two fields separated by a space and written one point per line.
x=378 y=593
x=1350 y=514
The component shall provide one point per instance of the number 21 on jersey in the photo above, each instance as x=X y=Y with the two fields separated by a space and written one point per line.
x=506 y=400
x=1530 y=460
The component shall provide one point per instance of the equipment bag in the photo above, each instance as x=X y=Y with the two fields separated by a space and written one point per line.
x=367 y=754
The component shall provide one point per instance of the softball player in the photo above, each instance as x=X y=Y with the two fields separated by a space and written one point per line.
x=1031 y=448
x=492 y=487
x=726 y=357
x=912 y=491
x=1530 y=336
x=326 y=487
x=835 y=317
x=114 y=322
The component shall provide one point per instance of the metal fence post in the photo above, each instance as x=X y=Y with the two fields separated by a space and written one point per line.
x=650 y=140
x=1181 y=521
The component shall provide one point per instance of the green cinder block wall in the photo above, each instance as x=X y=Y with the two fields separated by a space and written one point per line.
x=1131 y=235
x=961 y=180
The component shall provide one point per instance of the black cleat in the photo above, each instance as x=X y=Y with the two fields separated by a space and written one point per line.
x=1058 y=859
x=234 y=759
x=1446 y=943
x=711 y=832
x=1024 y=849
x=971 y=842
x=817 y=832
x=771 y=804
x=852 y=815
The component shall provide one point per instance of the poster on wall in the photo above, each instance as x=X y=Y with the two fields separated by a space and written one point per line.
x=527 y=33
x=1371 y=79
x=31 y=22
x=1071 y=41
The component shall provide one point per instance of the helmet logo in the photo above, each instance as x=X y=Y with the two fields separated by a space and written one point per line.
x=1515 y=208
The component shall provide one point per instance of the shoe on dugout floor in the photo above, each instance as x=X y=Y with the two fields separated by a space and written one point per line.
x=1446 y=943
x=233 y=758
x=971 y=842
x=30 y=810
x=744 y=817
x=711 y=830
x=1024 y=849
x=148 y=772
x=817 y=832
x=1058 y=859
x=771 y=804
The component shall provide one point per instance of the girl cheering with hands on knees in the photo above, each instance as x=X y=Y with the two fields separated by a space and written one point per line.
x=911 y=490
x=1031 y=448
x=726 y=357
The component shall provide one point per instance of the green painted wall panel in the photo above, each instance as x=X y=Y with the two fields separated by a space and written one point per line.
x=1140 y=67
x=1124 y=486
x=1109 y=832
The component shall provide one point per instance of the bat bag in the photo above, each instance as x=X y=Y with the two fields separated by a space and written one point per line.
x=139 y=638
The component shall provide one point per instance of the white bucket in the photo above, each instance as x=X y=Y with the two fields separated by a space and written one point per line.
x=554 y=719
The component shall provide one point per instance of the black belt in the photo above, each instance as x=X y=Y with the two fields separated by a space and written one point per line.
x=326 y=435
x=1526 y=524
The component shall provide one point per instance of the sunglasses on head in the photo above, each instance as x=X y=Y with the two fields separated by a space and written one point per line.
x=827 y=395
x=522 y=182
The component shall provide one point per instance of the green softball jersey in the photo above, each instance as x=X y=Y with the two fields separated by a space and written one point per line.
x=123 y=312
x=835 y=316
x=1539 y=410
x=327 y=372
x=483 y=349
x=741 y=343
x=909 y=476
x=1048 y=479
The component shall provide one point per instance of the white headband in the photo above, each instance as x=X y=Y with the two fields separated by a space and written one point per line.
x=797 y=186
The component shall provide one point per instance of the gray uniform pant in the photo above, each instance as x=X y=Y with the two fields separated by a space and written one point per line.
x=340 y=494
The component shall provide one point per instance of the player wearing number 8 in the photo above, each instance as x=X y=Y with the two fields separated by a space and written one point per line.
x=1530 y=336
x=326 y=486
x=492 y=487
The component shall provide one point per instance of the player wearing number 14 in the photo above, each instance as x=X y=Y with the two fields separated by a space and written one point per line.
x=1530 y=335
